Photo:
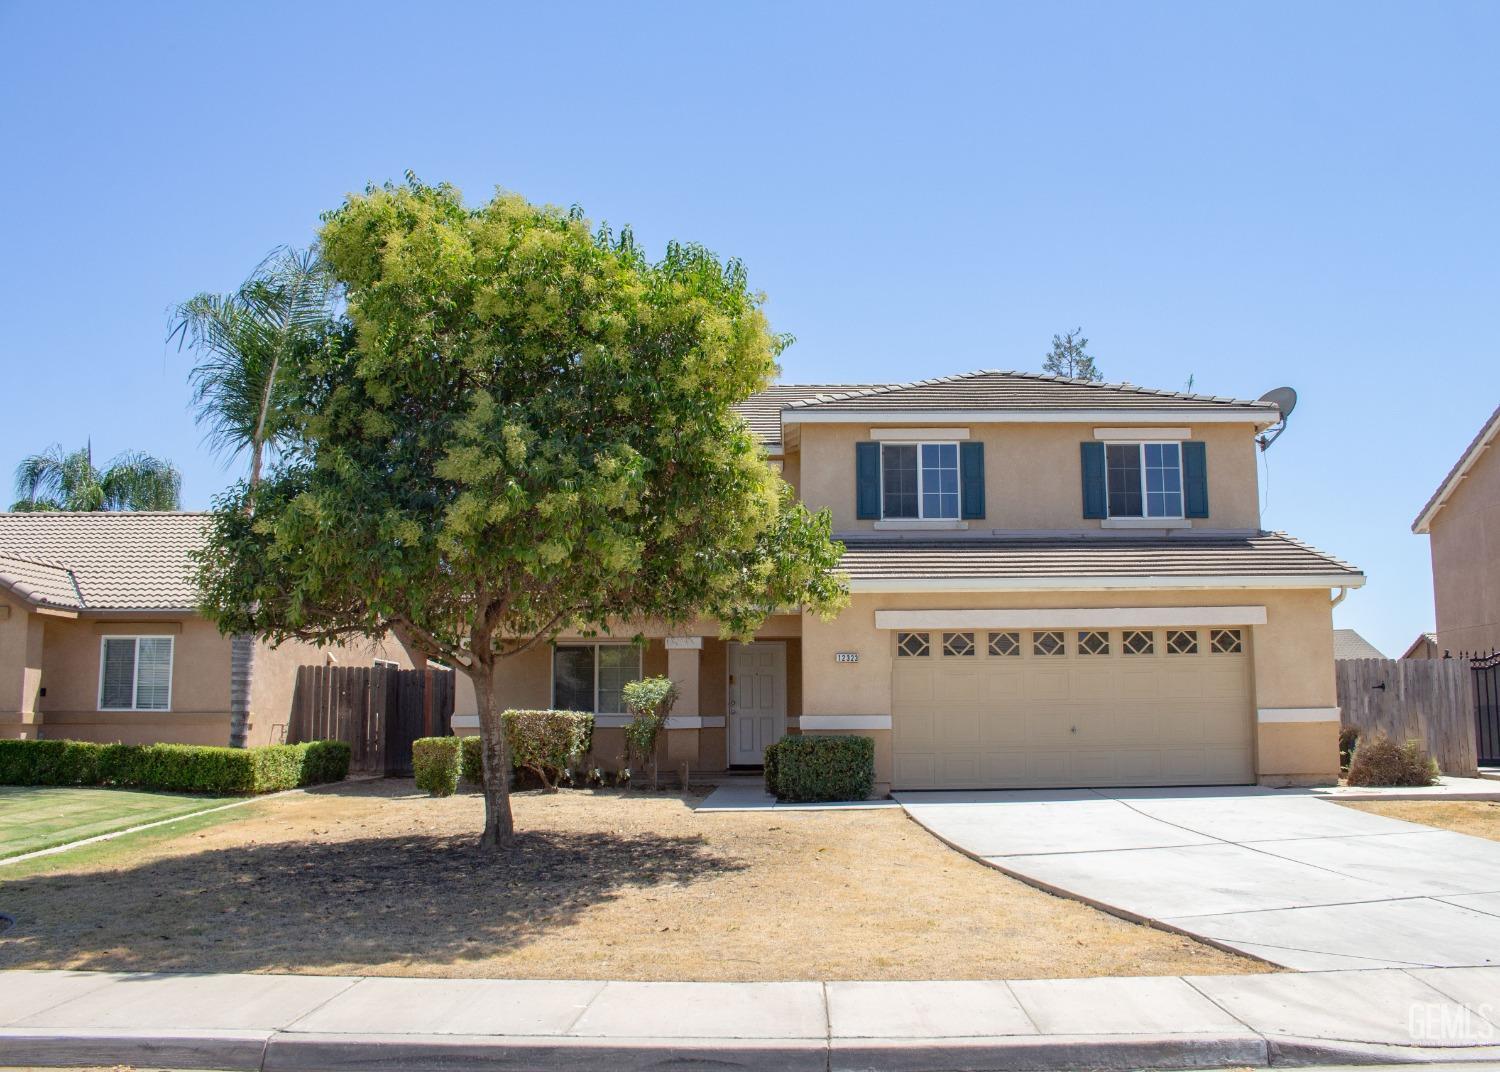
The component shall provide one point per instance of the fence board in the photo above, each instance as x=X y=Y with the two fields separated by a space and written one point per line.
x=377 y=710
x=1429 y=700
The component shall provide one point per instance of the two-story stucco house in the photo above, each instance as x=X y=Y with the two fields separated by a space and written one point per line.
x=1055 y=583
x=1463 y=520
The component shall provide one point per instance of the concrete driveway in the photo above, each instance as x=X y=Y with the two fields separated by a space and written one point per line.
x=1279 y=875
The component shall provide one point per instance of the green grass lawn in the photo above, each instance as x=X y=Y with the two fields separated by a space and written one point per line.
x=36 y=817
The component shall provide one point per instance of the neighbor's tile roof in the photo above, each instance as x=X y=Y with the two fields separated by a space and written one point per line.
x=994 y=389
x=1266 y=554
x=1348 y=644
x=101 y=560
x=762 y=411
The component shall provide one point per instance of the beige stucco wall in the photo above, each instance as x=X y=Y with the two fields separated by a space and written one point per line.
x=1032 y=475
x=1465 y=535
x=20 y=669
x=1292 y=653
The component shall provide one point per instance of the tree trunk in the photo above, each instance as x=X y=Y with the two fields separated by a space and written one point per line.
x=241 y=674
x=499 y=824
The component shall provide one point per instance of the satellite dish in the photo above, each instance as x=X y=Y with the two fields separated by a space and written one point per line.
x=1285 y=400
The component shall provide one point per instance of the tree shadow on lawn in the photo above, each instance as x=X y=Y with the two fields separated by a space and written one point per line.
x=309 y=905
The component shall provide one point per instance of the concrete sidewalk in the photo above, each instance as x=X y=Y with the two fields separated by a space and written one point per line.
x=270 y=1022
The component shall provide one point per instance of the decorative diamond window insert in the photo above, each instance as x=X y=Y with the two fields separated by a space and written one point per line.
x=958 y=644
x=1182 y=642
x=1048 y=643
x=1093 y=642
x=1226 y=642
x=1005 y=643
x=1138 y=642
x=913 y=645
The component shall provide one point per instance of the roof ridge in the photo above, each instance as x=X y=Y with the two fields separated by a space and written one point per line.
x=101 y=514
x=887 y=388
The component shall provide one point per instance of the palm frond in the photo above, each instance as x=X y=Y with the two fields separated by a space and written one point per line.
x=138 y=481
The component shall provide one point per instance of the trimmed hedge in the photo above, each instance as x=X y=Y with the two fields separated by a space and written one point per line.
x=435 y=762
x=812 y=767
x=471 y=766
x=545 y=743
x=174 y=767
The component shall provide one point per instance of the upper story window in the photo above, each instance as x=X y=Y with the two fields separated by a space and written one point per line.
x=919 y=480
x=592 y=677
x=135 y=673
x=1144 y=479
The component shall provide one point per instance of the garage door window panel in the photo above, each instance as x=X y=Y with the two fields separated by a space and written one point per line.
x=1005 y=645
x=1226 y=642
x=1182 y=642
x=1048 y=643
x=1138 y=642
x=912 y=645
x=1093 y=642
x=958 y=645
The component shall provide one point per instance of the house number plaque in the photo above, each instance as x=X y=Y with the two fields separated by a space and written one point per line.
x=846 y=656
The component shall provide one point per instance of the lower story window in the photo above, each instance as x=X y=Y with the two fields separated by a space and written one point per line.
x=135 y=673
x=592 y=677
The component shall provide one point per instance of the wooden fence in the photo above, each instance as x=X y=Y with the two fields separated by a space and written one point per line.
x=378 y=710
x=1429 y=700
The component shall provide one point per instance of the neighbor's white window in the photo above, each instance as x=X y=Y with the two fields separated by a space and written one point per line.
x=919 y=480
x=592 y=677
x=135 y=673
x=1144 y=479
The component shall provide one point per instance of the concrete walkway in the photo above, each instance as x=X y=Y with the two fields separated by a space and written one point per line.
x=1289 y=878
x=309 y=1022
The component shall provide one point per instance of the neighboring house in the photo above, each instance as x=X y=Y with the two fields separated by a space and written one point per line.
x=1424 y=647
x=1463 y=520
x=100 y=641
x=1055 y=583
x=1347 y=644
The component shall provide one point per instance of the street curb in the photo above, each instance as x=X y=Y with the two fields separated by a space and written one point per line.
x=1030 y=1053
x=230 y=1051
x=1293 y=1051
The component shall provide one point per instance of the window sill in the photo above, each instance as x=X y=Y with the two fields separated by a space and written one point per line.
x=919 y=524
x=1145 y=523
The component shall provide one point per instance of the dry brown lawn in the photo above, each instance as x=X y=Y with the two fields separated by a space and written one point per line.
x=1478 y=817
x=375 y=879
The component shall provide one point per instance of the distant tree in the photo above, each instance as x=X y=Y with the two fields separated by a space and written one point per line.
x=1069 y=358
x=244 y=342
x=59 y=480
x=530 y=428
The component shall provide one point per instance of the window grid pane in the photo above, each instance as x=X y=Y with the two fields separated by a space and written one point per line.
x=958 y=644
x=1182 y=642
x=940 y=480
x=1226 y=642
x=1138 y=642
x=117 y=689
x=618 y=664
x=1093 y=642
x=911 y=645
x=898 y=462
x=1005 y=644
x=1163 y=480
x=1047 y=643
x=153 y=682
x=1123 y=476
x=573 y=678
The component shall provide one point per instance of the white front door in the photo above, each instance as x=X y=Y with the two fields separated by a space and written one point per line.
x=757 y=700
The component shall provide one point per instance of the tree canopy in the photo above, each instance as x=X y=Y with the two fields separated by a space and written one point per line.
x=527 y=426
x=1069 y=356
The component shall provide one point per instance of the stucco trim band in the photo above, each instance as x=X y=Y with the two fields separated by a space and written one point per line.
x=1297 y=714
x=1143 y=435
x=1069 y=617
x=846 y=722
x=1082 y=584
x=919 y=433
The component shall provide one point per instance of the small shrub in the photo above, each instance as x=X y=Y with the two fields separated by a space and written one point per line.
x=650 y=700
x=1380 y=761
x=471 y=764
x=1348 y=738
x=436 y=762
x=547 y=742
x=771 y=769
x=814 y=768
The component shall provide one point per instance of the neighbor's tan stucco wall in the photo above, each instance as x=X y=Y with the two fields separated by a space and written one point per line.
x=1465 y=535
x=1292 y=654
x=21 y=646
x=1032 y=474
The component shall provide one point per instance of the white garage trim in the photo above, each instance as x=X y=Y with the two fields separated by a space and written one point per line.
x=1297 y=714
x=846 y=722
x=1069 y=617
x=1084 y=584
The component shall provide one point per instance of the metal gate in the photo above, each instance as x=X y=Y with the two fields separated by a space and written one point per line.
x=1487 y=709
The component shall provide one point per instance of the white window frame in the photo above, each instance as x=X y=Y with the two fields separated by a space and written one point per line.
x=1141 y=446
x=640 y=664
x=921 y=506
x=135 y=670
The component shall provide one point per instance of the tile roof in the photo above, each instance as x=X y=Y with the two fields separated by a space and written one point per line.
x=997 y=389
x=1265 y=554
x=101 y=560
x=1348 y=644
x=762 y=411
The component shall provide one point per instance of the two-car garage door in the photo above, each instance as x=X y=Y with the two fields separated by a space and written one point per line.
x=1050 y=708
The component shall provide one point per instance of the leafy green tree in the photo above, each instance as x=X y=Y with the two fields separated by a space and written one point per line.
x=532 y=429
x=68 y=480
x=244 y=341
x=1069 y=357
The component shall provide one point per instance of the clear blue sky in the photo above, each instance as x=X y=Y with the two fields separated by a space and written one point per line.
x=1250 y=194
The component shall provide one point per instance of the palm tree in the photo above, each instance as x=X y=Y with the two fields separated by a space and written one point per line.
x=59 y=480
x=243 y=341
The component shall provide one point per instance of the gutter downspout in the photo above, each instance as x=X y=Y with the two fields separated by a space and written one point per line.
x=1336 y=600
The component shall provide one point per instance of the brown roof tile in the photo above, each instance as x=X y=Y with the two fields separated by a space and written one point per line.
x=762 y=411
x=101 y=560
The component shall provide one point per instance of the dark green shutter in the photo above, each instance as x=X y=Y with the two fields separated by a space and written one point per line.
x=1095 y=495
x=867 y=481
x=1194 y=479
x=971 y=479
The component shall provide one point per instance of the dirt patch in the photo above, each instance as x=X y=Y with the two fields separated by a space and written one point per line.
x=1481 y=818
x=376 y=879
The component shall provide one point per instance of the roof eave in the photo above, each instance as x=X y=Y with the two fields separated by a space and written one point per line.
x=1093 y=583
x=1423 y=524
x=827 y=414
